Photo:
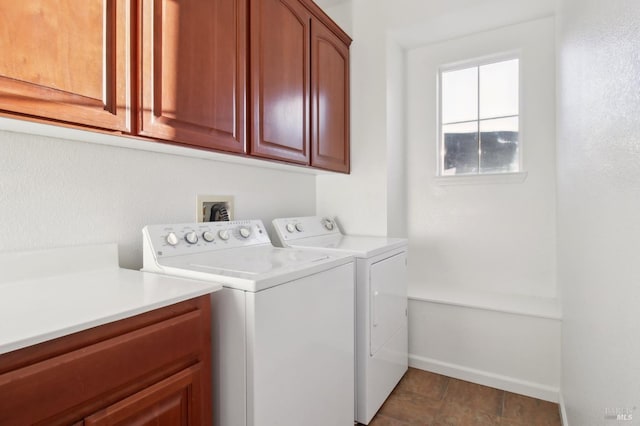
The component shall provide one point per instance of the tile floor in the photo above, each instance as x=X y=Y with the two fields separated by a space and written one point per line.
x=424 y=398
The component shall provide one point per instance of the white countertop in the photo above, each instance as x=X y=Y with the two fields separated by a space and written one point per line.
x=44 y=299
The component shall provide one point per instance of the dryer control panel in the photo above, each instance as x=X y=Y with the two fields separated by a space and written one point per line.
x=190 y=238
x=295 y=228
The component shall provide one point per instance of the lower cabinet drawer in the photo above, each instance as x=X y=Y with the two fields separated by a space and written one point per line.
x=59 y=389
x=173 y=401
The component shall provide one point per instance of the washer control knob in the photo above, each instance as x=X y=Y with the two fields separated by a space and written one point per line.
x=299 y=227
x=291 y=227
x=191 y=237
x=328 y=224
x=223 y=234
x=172 y=239
x=245 y=232
x=207 y=236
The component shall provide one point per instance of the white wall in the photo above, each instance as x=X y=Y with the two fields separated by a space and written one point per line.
x=58 y=193
x=599 y=201
x=397 y=183
x=511 y=351
x=340 y=11
x=360 y=199
x=365 y=200
x=484 y=245
x=391 y=191
x=497 y=237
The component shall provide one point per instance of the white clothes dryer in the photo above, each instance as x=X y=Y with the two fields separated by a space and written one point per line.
x=381 y=302
x=283 y=324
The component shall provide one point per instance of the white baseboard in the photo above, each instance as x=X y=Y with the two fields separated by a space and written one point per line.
x=563 y=410
x=486 y=378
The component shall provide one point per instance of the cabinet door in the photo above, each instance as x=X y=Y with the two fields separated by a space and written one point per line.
x=59 y=382
x=66 y=60
x=193 y=83
x=172 y=402
x=280 y=58
x=330 y=100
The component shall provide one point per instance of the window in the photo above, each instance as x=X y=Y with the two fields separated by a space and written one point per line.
x=479 y=119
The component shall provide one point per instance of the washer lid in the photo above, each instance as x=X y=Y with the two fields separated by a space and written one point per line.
x=355 y=245
x=252 y=268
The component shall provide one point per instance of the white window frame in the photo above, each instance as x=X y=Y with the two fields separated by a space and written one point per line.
x=507 y=177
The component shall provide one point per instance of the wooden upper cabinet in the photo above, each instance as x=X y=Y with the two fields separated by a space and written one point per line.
x=66 y=60
x=280 y=80
x=184 y=71
x=193 y=72
x=299 y=85
x=330 y=100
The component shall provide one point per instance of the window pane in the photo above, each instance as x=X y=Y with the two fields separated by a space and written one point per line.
x=460 y=154
x=460 y=95
x=499 y=145
x=499 y=89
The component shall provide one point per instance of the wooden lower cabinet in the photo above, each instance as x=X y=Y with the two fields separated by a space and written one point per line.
x=154 y=368
x=168 y=402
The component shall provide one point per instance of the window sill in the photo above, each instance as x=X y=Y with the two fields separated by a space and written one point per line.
x=493 y=178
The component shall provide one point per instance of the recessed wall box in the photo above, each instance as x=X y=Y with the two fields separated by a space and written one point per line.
x=214 y=208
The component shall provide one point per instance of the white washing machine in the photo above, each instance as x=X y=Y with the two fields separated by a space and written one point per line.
x=381 y=302
x=283 y=325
